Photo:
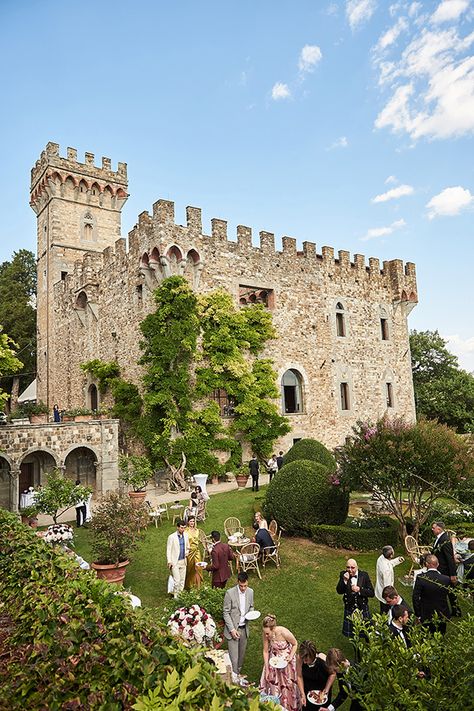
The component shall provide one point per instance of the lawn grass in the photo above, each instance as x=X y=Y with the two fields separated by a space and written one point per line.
x=301 y=593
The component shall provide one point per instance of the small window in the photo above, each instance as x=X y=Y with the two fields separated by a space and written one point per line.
x=340 y=320
x=384 y=329
x=140 y=294
x=292 y=392
x=226 y=403
x=81 y=301
x=345 y=404
x=93 y=398
x=63 y=276
x=389 y=394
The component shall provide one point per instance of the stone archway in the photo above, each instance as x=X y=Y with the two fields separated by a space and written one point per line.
x=5 y=482
x=80 y=463
x=33 y=468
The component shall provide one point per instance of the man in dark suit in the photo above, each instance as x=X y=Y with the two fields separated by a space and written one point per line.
x=397 y=627
x=221 y=554
x=254 y=469
x=280 y=460
x=355 y=587
x=430 y=596
x=392 y=598
x=444 y=551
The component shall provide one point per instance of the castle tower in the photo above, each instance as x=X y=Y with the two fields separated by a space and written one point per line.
x=78 y=208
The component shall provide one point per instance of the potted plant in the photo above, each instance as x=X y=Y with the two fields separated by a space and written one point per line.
x=136 y=472
x=242 y=477
x=116 y=527
x=29 y=516
x=37 y=413
x=59 y=494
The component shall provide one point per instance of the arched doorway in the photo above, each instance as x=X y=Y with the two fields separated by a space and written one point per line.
x=5 y=483
x=292 y=391
x=80 y=464
x=33 y=468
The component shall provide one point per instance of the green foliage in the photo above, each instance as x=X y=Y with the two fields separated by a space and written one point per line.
x=401 y=462
x=59 y=494
x=117 y=525
x=78 y=411
x=29 y=408
x=301 y=494
x=312 y=450
x=353 y=537
x=72 y=642
x=135 y=471
x=211 y=599
x=127 y=402
x=465 y=490
x=18 y=312
x=388 y=675
x=9 y=363
x=443 y=391
x=104 y=372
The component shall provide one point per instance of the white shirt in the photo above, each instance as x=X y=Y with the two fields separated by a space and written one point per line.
x=390 y=612
x=242 y=608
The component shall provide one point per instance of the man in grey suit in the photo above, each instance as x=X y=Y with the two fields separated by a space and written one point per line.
x=237 y=602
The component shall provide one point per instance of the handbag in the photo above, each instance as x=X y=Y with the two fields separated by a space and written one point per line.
x=170 y=585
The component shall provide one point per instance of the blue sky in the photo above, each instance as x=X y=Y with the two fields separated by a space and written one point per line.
x=348 y=123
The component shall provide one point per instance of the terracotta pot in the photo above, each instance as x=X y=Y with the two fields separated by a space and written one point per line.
x=83 y=418
x=241 y=480
x=113 y=573
x=40 y=419
x=137 y=496
x=67 y=418
x=215 y=479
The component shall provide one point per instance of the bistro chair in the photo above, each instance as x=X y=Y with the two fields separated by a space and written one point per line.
x=273 y=528
x=248 y=558
x=232 y=525
x=415 y=551
x=272 y=553
x=205 y=542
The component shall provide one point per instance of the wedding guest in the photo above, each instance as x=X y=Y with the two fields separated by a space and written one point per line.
x=392 y=598
x=202 y=497
x=263 y=538
x=444 y=551
x=356 y=588
x=238 y=601
x=337 y=662
x=400 y=619
x=56 y=414
x=81 y=509
x=313 y=674
x=384 y=575
x=193 y=571
x=430 y=596
x=272 y=466
x=191 y=508
x=280 y=459
x=254 y=469
x=221 y=555
x=279 y=642
x=262 y=522
x=177 y=550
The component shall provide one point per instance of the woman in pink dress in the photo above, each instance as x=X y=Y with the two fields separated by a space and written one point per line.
x=280 y=642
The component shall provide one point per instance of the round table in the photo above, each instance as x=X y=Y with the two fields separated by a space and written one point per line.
x=236 y=545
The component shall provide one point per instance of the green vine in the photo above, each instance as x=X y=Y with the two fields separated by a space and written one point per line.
x=104 y=373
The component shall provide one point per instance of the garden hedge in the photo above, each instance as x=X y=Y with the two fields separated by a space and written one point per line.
x=354 y=538
x=312 y=450
x=70 y=642
x=301 y=494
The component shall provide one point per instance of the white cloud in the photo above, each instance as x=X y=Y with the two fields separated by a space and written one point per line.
x=449 y=202
x=391 y=180
x=391 y=35
x=432 y=85
x=414 y=8
x=394 y=194
x=449 y=10
x=332 y=9
x=359 y=11
x=341 y=142
x=310 y=56
x=280 y=91
x=383 y=231
x=463 y=349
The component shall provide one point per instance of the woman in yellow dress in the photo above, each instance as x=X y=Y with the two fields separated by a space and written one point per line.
x=193 y=571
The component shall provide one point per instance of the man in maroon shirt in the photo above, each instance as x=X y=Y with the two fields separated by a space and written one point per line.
x=221 y=554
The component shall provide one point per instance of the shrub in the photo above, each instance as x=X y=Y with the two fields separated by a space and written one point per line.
x=357 y=538
x=301 y=494
x=70 y=642
x=211 y=599
x=465 y=491
x=311 y=450
x=116 y=527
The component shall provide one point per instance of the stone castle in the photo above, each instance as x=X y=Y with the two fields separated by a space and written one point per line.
x=342 y=352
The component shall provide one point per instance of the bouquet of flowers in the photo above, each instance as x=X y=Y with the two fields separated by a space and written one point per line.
x=193 y=624
x=59 y=533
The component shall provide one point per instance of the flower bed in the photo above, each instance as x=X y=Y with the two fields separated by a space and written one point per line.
x=59 y=533
x=193 y=625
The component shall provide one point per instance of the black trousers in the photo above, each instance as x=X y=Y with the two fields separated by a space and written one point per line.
x=254 y=482
x=80 y=515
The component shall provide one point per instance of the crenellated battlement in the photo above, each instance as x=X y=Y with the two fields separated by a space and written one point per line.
x=69 y=165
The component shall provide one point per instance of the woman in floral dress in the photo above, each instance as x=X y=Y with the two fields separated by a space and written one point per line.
x=193 y=571
x=278 y=641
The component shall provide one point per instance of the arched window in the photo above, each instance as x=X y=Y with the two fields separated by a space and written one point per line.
x=81 y=301
x=88 y=227
x=389 y=394
x=340 y=320
x=93 y=397
x=292 y=391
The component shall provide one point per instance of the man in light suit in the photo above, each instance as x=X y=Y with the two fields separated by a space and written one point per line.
x=237 y=602
x=177 y=550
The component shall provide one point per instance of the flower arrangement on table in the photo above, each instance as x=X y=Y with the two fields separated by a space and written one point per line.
x=59 y=533
x=193 y=624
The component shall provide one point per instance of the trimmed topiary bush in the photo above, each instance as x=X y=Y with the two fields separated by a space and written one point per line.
x=311 y=450
x=354 y=538
x=302 y=494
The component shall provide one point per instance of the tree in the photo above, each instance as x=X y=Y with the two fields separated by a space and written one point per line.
x=9 y=363
x=59 y=494
x=405 y=466
x=18 y=310
x=443 y=391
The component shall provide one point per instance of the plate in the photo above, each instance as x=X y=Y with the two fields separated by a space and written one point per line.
x=278 y=662
x=252 y=615
x=318 y=700
x=202 y=564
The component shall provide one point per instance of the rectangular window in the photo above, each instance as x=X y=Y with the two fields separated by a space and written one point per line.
x=226 y=403
x=140 y=294
x=63 y=276
x=345 y=404
x=384 y=328
x=340 y=325
x=389 y=393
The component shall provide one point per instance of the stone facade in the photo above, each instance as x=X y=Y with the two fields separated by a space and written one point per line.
x=87 y=451
x=342 y=352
